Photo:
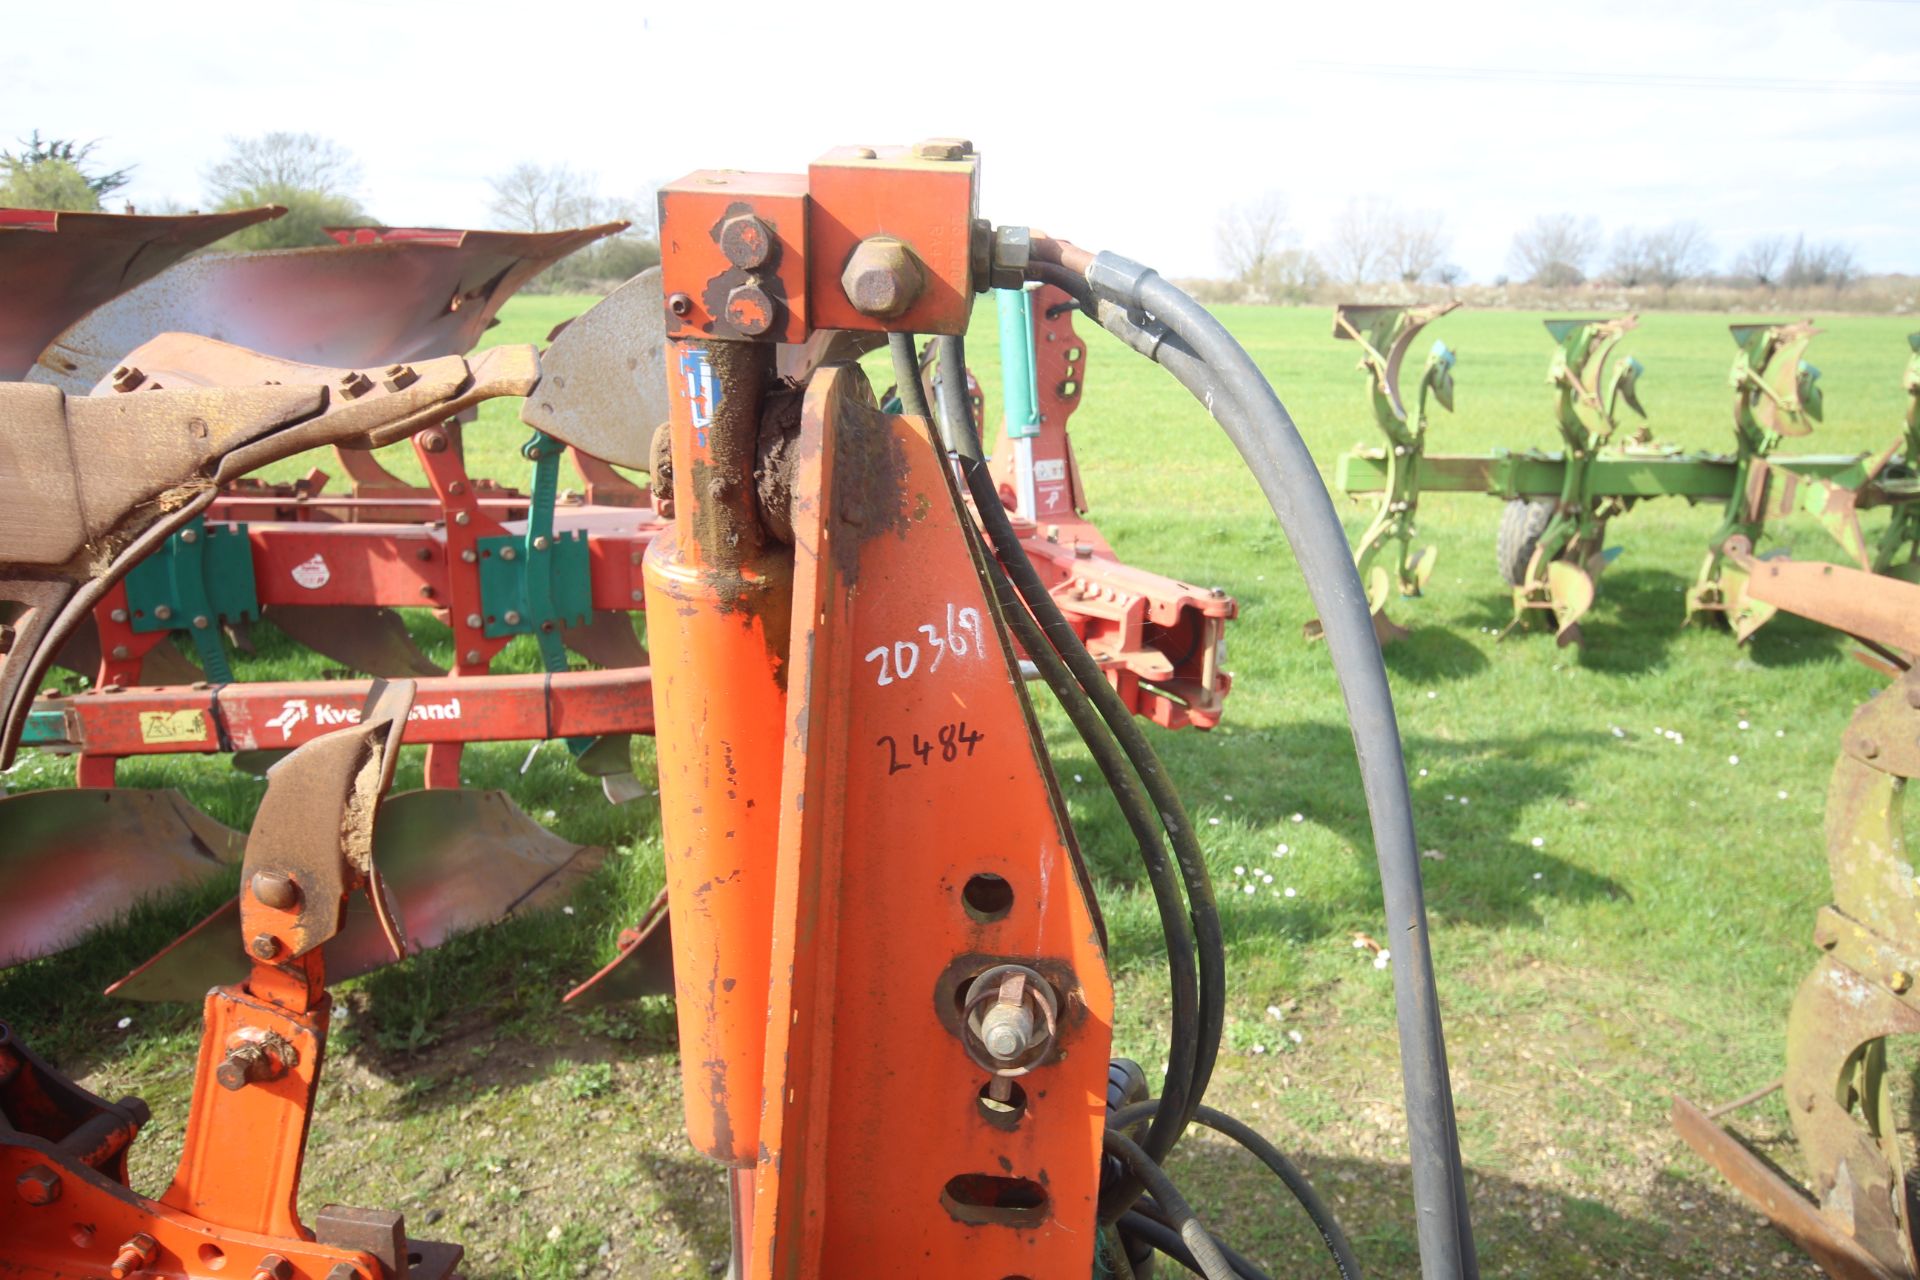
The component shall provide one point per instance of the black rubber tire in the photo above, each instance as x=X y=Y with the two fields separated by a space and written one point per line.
x=1521 y=525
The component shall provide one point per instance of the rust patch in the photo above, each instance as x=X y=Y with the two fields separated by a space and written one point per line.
x=778 y=459
x=870 y=477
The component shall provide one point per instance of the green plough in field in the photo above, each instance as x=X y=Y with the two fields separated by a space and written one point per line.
x=1552 y=541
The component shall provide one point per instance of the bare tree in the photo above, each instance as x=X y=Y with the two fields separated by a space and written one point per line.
x=1629 y=261
x=1762 y=260
x=1363 y=238
x=1417 y=244
x=312 y=177
x=1828 y=263
x=1556 y=249
x=533 y=197
x=1449 y=274
x=283 y=162
x=1676 y=252
x=1251 y=235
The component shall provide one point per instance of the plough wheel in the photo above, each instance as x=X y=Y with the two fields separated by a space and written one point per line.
x=453 y=860
x=1521 y=524
x=74 y=860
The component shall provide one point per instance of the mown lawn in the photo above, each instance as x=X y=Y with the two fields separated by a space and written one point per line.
x=1617 y=914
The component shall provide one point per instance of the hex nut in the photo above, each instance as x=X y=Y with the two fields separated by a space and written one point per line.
x=943 y=149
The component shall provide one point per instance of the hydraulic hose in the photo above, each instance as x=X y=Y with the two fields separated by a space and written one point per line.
x=1152 y=775
x=1192 y=1233
x=1224 y=378
x=1186 y=1031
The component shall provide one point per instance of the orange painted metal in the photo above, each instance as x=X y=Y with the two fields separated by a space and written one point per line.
x=926 y=203
x=717 y=597
x=912 y=768
x=696 y=273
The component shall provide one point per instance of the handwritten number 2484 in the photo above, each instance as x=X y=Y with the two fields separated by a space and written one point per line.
x=944 y=747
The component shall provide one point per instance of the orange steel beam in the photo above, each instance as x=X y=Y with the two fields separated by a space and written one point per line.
x=893 y=1001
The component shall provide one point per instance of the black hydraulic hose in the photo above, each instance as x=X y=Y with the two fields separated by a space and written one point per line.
x=1134 y=807
x=1225 y=379
x=1289 y=1173
x=1192 y=1233
x=1152 y=774
x=1142 y=1224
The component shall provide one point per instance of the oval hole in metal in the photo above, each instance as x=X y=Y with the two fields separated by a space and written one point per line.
x=992 y=1200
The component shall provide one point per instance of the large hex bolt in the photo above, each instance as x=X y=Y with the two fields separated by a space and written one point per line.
x=273 y=1267
x=883 y=277
x=746 y=240
x=255 y=1055
x=39 y=1185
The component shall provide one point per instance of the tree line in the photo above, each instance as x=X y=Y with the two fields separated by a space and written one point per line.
x=1374 y=241
x=319 y=183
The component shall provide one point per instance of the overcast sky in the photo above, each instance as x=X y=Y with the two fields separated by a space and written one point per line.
x=1115 y=127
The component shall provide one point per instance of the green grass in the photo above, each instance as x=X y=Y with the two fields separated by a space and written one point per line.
x=1617 y=916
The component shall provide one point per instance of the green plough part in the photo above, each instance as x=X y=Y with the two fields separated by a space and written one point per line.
x=1552 y=542
x=1776 y=394
x=1564 y=558
x=1385 y=555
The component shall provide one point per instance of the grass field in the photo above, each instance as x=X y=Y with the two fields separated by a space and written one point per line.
x=1617 y=915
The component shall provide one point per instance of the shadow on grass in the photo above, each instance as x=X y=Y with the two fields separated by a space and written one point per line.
x=1431 y=654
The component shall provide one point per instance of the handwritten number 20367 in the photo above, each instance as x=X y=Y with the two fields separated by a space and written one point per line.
x=952 y=742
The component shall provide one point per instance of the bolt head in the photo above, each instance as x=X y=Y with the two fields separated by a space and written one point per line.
x=749 y=310
x=264 y=947
x=473 y=620
x=354 y=384
x=1900 y=981
x=680 y=304
x=746 y=240
x=275 y=889
x=943 y=148
x=38 y=1185
x=434 y=442
x=883 y=277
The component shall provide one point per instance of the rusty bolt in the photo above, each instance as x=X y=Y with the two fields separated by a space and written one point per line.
x=197 y=428
x=747 y=241
x=275 y=889
x=882 y=278
x=749 y=310
x=434 y=442
x=243 y=1064
x=457 y=488
x=943 y=148
x=680 y=304
x=354 y=384
x=399 y=377
x=274 y=1267
x=341 y=1271
x=264 y=947
x=1900 y=981
x=134 y=1256
x=1007 y=1028
x=38 y=1185
x=127 y=378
